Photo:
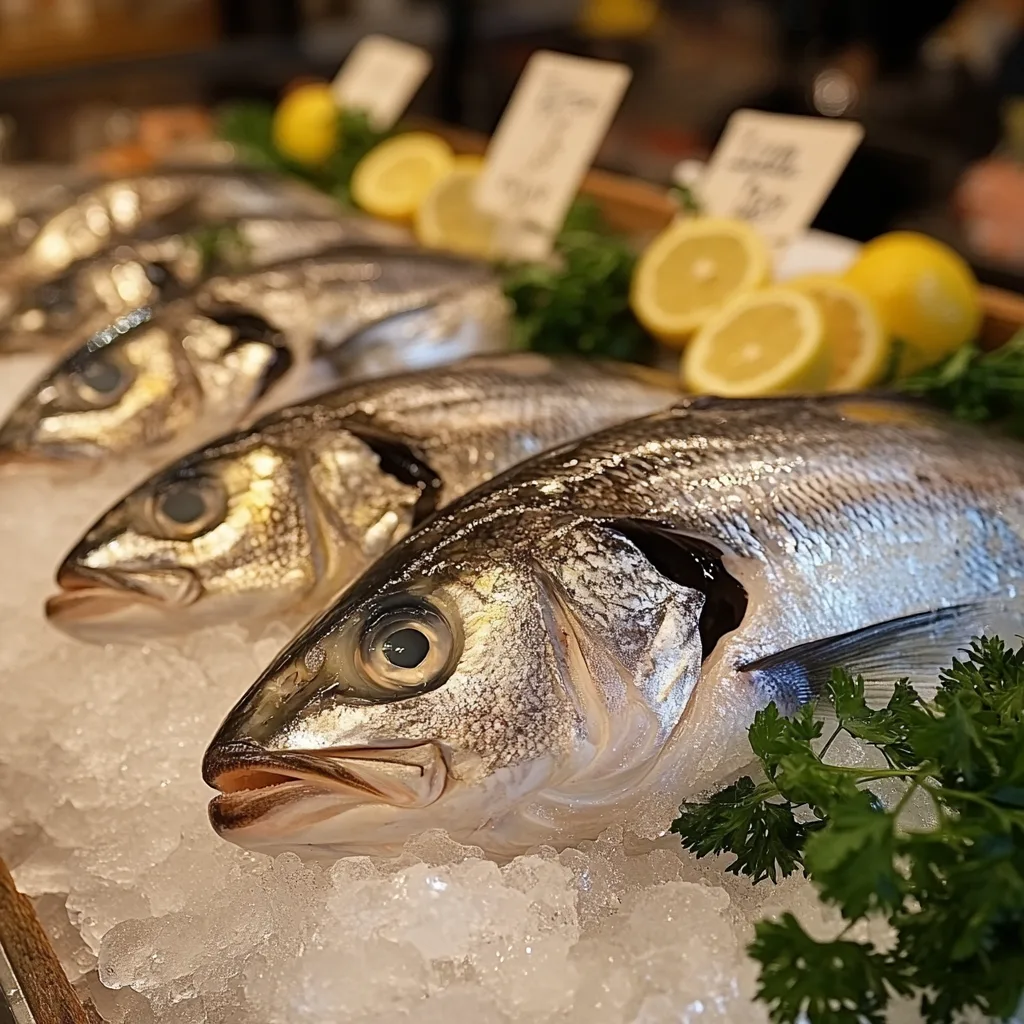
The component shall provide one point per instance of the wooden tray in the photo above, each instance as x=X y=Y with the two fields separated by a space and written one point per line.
x=637 y=208
x=33 y=986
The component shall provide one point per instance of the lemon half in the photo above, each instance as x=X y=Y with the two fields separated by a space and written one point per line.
x=448 y=218
x=767 y=342
x=857 y=343
x=691 y=269
x=393 y=179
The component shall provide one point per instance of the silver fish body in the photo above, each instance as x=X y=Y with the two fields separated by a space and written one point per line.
x=584 y=640
x=392 y=308
x=375 y=309
x=128 y=207
x=95 y=291
x=30 y=194
x=276 y=520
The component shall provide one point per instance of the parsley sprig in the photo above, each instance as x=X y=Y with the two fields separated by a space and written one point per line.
x=953 y=893
x=579 y=302
x=249 y=126
x=977 y=386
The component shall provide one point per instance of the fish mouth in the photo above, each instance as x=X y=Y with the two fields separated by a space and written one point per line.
x=89 y=594
x=257 y=784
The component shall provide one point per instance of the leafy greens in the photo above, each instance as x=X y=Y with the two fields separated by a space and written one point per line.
x=953 y=894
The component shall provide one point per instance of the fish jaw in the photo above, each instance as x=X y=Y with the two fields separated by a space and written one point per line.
x=286 y=799
x=99 y=603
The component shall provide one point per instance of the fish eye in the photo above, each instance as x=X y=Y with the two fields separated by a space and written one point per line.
x=99 y=382
x=184 y=509
x=407 y=648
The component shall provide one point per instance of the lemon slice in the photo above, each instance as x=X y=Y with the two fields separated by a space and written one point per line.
x=691 y=270
x=449 y=219
x=858 y=345
x=394 y=177
x=766 y=342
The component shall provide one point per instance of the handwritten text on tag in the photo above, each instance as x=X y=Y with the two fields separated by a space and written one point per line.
x=776 y=170
x=548 y=137
x=381 y=76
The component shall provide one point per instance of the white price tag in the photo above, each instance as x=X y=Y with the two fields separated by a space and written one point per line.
x=546 y=141
x=776 y=170
x=381 y=76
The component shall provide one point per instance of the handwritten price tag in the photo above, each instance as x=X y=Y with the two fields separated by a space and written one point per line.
x=776 y=170
x=381 y=76
x=546 y=141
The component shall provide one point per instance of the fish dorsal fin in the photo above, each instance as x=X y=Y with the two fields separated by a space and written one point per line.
x=915 y=647
x=694 y=563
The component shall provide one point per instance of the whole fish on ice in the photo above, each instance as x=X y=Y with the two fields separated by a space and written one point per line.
x=153 y=202
x=276 y=519
x=594 y=629
x=93 y=292
x=160 y=382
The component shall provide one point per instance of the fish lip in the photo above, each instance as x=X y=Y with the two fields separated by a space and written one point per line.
x=87 y=593
x=252 y=779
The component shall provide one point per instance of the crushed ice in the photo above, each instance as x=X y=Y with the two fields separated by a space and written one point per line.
x=103 y=821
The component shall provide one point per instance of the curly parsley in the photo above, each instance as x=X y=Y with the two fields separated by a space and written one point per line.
x=954 y=894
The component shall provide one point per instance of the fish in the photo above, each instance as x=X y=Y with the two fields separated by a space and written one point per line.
x=148 y=384
x=153 y=203
x=584 y=640
x=29 y=194
x=157 y=382
x=372 y=309
x=273 y=521
x=93 y=292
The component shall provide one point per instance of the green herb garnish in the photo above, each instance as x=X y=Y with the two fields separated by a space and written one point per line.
x=579 y=302
x=977 y=386
x=953 y=894
x=249 y=126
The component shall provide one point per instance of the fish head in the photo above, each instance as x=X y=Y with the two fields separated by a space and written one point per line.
x=145 y=382
x=254 y=525
x=511 y=681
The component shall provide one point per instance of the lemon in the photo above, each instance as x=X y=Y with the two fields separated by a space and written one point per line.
x=691 y=269
x=394 y=177
x=449 y=219
x=926 y=295
x=858 y=346
x=306 y=125
x=766 y=342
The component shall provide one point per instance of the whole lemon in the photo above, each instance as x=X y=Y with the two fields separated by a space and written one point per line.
x=925 y=293
x=306 y=124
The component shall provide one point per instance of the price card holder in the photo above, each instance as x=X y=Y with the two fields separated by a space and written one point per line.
x=776 y=170
x=381 y=76
x=547 y=139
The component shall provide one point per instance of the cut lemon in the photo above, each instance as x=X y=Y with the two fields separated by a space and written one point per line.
x=766 y=342
x=691 y=269
x=926 y=295
x=858 y=346
x=448 y=218
x=394 y=177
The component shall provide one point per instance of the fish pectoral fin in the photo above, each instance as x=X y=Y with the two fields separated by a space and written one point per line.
x=915 y=647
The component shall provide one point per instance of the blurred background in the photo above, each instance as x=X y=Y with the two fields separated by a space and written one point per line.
x=938 y=84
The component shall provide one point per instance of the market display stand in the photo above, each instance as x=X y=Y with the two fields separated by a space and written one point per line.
x=29 y=968
x=630 y=206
